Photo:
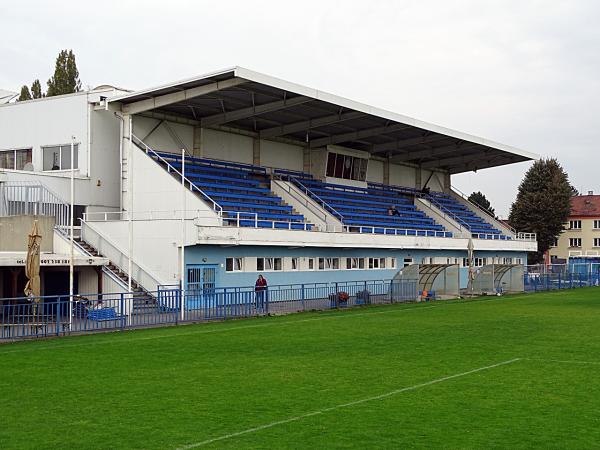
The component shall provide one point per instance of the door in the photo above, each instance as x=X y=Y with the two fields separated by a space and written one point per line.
x=201 y=286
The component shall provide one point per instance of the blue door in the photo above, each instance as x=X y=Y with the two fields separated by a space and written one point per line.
x=201 y=285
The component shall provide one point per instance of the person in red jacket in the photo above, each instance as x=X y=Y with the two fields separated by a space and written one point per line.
x=260 y=288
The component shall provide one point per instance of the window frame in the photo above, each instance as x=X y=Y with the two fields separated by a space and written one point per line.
x=576 y=222
x=28 y=150
x=61 y=149
x=576 y=241
x=233 y=260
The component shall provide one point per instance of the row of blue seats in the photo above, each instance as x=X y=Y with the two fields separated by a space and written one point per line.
x=367 y=208
x=212 y=162
x=475 y=223
x=241 y=190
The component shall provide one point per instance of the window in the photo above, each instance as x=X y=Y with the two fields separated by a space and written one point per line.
x=266 y=264
x=311 y=263
x=596 y=242
x=15 y=159
x=574 y=224
x=407 y=262
x=374 y=263
x=479 y=262
x=58 y=157
x=554 y=243
x=508 y=260
x=233 y=264
x=294 y=264
x=382 y=263
x=346 y=167
x=575 y=242
x=596 y=224
x=393 y=263
x=518 y=260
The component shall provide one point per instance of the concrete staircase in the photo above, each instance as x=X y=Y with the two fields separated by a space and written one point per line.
x=143 y=301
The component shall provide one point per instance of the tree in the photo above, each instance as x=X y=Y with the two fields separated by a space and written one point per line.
x=25 y=94
x=543 y=204
x=480 y=200
x=66 y=76
x=36 y=89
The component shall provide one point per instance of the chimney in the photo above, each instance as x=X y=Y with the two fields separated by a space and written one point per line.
x=590 y=192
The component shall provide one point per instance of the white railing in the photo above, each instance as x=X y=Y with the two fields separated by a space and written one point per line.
x=192 y=187
x=489 y=216
x=171 y=214
x=299 y=196
x=236 y=217
x=105 y=269
x=521 y=236
x=315 y=197
x=396 y=231
x=105 y=247
x=31 y=198
x=427 y=204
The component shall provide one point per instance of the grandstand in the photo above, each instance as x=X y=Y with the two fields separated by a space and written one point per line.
x=212 y=180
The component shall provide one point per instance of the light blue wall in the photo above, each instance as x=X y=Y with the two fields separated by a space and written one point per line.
x=214 y=254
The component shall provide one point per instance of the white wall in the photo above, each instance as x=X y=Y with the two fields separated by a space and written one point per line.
x=401 y=175
x=161 y=138
x=227 y=146
x=154 y=189
x=318 y=163
x=156 y=245
x=104 y=185
x=281 y=156
x=375 y=171
x=51 y=121
x=437 y=180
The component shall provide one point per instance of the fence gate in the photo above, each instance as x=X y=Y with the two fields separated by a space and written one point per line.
x=201 y=285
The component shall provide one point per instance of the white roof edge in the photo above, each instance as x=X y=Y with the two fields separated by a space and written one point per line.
x=258 y=77
x=172 y=84
x=362 y=107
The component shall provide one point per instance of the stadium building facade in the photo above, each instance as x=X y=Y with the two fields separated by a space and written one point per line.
x=279 y=179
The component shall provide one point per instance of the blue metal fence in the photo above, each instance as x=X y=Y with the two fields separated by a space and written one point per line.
x=61 y=315
x=535 y=282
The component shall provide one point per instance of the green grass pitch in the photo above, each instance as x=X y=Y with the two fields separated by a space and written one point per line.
x=511 y=372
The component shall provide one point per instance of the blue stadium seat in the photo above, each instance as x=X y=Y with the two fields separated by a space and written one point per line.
x=242 y=190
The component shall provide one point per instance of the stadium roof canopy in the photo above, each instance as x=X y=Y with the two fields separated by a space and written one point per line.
x=271 y=108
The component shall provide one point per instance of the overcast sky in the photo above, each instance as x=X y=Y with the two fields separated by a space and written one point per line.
x=524 y=73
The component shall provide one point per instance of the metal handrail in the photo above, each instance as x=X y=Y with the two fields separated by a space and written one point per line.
x=170 y=168
x=444 y=214
x=445 y=210
x=105 y=269
x=25 y=197
x=238 y=216
x=466 y=198
x=315 y=196
x=305 y=200
x=144 y=272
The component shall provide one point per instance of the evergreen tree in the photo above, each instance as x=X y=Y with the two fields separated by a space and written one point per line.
x=480 y=200
x=36 y=89
x=543 y=204
x=25 y=94
x=66 y=76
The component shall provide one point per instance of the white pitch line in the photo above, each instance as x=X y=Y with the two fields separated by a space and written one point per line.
x=242 y=327
x=563 y=361
x=345 y=405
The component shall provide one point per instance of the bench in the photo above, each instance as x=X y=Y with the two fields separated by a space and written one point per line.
x=104 y=315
